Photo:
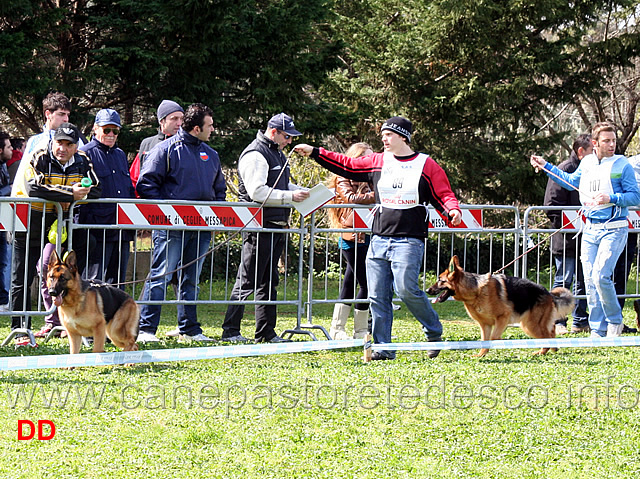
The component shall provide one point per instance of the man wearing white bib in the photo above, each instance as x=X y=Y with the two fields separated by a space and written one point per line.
x=607 y=186
x=405 y=182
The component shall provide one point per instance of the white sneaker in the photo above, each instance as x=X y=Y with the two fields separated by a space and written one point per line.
x=614 y=330
x=395 y=306
x=174 y=333
x=198 y=337
x=4 y=307
x=144 y=337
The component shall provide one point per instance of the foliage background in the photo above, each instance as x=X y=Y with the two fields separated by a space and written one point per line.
x=485 y=83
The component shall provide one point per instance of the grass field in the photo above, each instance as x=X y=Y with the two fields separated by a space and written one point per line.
x=574 y=413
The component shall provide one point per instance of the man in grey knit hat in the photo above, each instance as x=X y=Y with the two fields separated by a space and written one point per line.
x=170 y=116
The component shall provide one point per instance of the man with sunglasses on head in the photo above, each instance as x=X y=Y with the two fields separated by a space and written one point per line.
x=109 y=253
x=261 y=167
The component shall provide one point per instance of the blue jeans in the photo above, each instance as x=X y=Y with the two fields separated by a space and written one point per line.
x=600 y=251
x=171 y=248
x=565 y=270
x=394 y=264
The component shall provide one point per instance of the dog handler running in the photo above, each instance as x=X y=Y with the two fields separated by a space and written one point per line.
x=404 y=182
x=607 y=186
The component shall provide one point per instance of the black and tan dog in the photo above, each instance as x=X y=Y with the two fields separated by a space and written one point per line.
x=496 y=301
x=91 y=308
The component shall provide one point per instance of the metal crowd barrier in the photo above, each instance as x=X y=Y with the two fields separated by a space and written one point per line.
x=226 y=221
x=15 y=218
x=541 y=268
x=489 y=238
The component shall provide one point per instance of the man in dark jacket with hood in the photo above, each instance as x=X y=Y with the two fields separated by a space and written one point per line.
x=564 y=245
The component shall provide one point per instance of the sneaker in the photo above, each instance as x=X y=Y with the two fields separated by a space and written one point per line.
x=174 y=333
x=395 y=306
x=433 y=353
x=5 y=307
x=595 y=335
x=24 y=341
x=144 y=337
x=238 y=338
x=614 y=330
x=45 y=330
x=561 y=329
x=580 y=329
x=627 y=330
x=275 y=339
x=197 y=338
x=378 y=356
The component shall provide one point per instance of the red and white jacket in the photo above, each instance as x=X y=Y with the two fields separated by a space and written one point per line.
x=404 y=186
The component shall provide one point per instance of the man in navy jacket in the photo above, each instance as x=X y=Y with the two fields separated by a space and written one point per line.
x=182 y=167
x=109 y=256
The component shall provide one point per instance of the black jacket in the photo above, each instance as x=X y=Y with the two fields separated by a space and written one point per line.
x=556 y=195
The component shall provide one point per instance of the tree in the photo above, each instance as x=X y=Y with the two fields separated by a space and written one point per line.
x=475 y=78
x=246 y=59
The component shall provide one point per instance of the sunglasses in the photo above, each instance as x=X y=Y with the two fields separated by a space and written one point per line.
x=115 y=131
x=286 y=137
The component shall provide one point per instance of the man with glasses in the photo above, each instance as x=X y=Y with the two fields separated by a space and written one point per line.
x=263 y=177
x=109 y=254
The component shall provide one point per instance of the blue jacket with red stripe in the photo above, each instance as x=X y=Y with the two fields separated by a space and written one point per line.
x=182 y=168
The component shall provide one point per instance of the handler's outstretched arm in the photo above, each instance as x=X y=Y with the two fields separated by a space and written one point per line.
x=303 y=149
x=537 y=162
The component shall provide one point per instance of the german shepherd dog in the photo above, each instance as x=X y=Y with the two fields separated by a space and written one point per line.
x=91 y=308
x=495 y=301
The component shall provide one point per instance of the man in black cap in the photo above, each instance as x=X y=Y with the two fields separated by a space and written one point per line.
x=405 y=182
x=54 y=172
x=262 y=166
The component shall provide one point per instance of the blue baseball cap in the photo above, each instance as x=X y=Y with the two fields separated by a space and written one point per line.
x=108 y=117
x=283 y=122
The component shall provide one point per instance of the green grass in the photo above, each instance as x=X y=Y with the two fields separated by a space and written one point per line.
x=574 y=413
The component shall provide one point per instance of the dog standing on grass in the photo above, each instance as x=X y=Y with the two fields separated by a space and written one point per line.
x=495 y=301
x=91 y=308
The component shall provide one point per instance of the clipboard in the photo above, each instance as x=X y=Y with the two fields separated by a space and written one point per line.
x=319 y=196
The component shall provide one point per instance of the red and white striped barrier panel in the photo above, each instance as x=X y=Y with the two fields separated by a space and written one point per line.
x=14 y=216
x=571 y=222
x=137 y=214
x=471 y=220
